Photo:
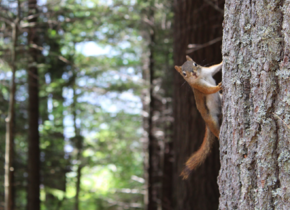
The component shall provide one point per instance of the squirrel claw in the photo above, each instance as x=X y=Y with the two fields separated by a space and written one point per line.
x=220 y=85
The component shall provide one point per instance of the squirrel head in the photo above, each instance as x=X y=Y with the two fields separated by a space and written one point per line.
x=190 y=70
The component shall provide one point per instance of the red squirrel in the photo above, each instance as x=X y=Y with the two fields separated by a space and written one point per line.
x=208 y=103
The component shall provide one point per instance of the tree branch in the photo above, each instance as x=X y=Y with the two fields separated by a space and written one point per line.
x=59 y=56
x=209 y=2
x=195 y=47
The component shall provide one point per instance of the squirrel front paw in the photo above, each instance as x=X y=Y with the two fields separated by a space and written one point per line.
x=220 y=85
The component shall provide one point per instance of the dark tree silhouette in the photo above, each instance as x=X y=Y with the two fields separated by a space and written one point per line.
x=197 y=32
x=33 y=114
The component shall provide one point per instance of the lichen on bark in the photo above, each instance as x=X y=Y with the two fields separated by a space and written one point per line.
x=254 y=139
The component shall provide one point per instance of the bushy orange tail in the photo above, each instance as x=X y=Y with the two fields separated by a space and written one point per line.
x=199 y=157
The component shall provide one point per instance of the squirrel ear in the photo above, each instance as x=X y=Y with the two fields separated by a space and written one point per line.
x=188 y=58
x=178 y=68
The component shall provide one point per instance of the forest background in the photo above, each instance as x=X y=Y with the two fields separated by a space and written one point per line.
x=93 y=115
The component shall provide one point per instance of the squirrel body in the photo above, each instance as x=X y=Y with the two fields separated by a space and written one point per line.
x=208 y=103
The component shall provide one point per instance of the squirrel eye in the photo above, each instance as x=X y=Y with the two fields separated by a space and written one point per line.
x=184 y=74
x=195 y=64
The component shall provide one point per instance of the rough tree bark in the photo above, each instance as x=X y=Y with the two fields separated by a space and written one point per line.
x=194 y=25
x=254 y=139
x=33 y=114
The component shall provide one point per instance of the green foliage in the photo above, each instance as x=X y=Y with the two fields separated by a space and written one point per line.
x=90 y=109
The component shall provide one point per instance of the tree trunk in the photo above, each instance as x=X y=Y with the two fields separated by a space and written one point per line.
x=254 y=139
x=78 y=187
x=10 y=124
x=145 y=124
x=55 y=170
x=196 y=22
x=153 y=168
x=153 y=145
x=167 y=176
x=157 y=106
x=33 y=115
x=78 y=143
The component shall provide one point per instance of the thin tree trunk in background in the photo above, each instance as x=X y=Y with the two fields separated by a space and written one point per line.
x=157 y=104
x=33 y=115
x=196 y=22
x=10 y=123
x=167 y=122
x=145 y=116
x=79 y=143
x=55 y=153
x=154 y=167
x=78 y=187
x=152 y=202
x=145 y=98
x=256 y=106
x=167 y=177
